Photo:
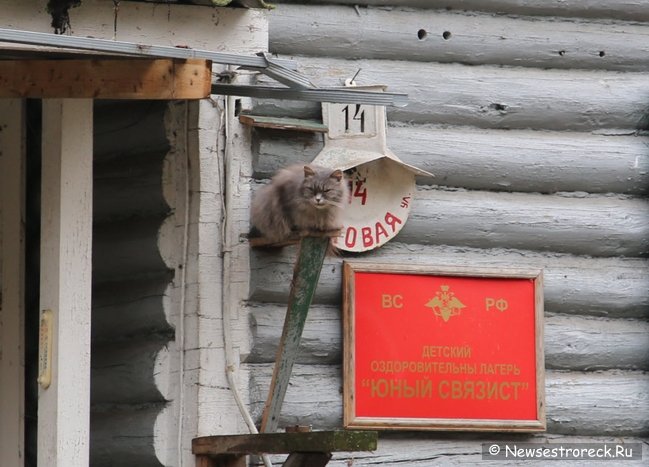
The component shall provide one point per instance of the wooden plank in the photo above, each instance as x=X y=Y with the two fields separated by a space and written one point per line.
x=442 y=36
x=613 y=287
x=284 y=443
x=495 y=160
x=612 y=403
x=279 y=123
x=106 y=79
x=12 y=278
x=306 y=273
x=488 y=96
x=66 y=271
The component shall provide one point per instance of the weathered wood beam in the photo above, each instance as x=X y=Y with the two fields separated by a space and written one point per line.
x=127 y=434
x=306 y=273
x=591 y=403
x=495 y=160
x=128 y=246
x=12 y=280
x=106 y=79
x=125 y=128
x=173 y=24
x=133 y=372
x=613 y=287
x=426 y=449
x=66 y=270
x=596 y=225
x=285 y=443
x=442 y=36
x=571 y=342
x=129 y=187
x=634 y=10
x=488 y=96
x=581 y=225
x=279 y=123
x=130 y=307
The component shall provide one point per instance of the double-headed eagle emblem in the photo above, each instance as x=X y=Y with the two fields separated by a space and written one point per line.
x=445 y=304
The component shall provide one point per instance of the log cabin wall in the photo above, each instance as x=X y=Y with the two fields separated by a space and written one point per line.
x=533 y=116
x=131 y=332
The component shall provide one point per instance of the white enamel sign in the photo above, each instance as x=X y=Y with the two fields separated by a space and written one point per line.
x=381 y=185
x=381 y=196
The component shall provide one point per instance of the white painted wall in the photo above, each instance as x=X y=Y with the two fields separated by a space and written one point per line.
x=66 y=274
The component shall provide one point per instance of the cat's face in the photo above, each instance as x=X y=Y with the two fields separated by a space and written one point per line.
x=323 y=188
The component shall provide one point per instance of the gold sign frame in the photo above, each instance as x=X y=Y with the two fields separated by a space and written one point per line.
x=534 y=368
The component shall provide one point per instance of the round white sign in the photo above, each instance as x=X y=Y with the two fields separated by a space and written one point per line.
x=380 y=200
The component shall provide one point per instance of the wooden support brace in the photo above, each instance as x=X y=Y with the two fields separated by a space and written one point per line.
x=311 y=256
x=106 y=79
x=286 y=443
x=283 y=123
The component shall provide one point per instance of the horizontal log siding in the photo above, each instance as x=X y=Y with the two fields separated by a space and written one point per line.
x=450 y=37
x=130 y=332
x=541 y=160
x=613 y=287
x=424 y=450
x=590 y=404
x=495 y=160
x=584 y=225
x=571 y=342
x=633 y=10
x=488 y=96
x=596 y=226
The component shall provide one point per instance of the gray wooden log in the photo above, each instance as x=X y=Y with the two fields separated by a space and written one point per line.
x=597 y=226
x=634 y=10
x=446 y=37
x=132 y=372
x=129 y=187
x=486 y=96
x=124 y=435
x=124 y=128
x=580 y=343
x=128 y=247
x=571 y=342
x=614 y=287
x=523 y=161
x=426 y=449
x=597 y=404
x=582 y=225
x=130 y=308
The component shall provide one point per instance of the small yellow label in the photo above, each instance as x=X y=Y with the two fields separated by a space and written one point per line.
x=46 y=332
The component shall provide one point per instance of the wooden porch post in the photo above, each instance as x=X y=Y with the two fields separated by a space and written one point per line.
x=12 y=311
x=66 y=272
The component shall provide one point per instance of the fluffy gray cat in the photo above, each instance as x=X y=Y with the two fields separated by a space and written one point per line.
x=301 y=199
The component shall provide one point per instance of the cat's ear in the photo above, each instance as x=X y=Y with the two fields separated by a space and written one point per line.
x=308 y=172
x=337 y=174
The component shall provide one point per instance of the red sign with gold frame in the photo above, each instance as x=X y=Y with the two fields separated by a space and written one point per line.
x=443 y=349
